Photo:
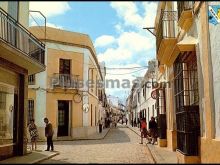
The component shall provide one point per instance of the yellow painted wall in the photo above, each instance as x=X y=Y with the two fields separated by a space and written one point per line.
x=8 y=77
x=66 y=38
x=210 y=150
x=52 y=108
x=53 y=62
x=76 y=69
x=94 y=102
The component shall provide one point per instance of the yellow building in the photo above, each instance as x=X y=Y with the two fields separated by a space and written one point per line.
x=187 y=53
x=21 y=54
x=73 y=111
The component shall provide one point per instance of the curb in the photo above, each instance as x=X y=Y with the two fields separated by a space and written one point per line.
x=81 y=139
x=42 y=159
x=152 y=155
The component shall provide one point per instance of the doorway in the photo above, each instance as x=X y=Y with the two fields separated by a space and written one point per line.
x=187 y=103
x=63 y=118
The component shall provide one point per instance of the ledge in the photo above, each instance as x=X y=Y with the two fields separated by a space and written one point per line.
x=186 y=20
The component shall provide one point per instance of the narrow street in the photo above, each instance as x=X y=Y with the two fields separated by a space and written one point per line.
x=121 y=145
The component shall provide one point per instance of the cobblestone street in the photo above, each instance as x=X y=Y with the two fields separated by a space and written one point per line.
x=121 y=145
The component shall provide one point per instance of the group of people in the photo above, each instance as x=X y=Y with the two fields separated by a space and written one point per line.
x=151 y=134
x=48 y=134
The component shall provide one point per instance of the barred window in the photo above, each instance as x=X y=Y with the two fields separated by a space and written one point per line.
x=2 y=100
x=31 y=79
x=30 y=110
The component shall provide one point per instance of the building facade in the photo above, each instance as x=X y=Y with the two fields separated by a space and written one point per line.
x=187 y=49
x=67 y=92
x=21 y=54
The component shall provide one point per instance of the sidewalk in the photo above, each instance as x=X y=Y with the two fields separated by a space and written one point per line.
x=39 y=155
x=160 y=154
x=95 y=136
x=31 y=158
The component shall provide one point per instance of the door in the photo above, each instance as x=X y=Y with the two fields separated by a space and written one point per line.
x=63 y=118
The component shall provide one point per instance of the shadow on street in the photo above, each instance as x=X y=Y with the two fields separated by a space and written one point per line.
x=118 y=132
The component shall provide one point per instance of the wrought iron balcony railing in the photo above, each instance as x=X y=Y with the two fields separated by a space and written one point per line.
x=167 y=27
x=13 y=33
x=183 y=6
x=65 y=81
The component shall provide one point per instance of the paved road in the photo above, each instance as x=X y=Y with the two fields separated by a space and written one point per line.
x=121 y=145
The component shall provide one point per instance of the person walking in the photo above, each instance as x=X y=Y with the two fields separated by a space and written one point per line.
x=153 y=129
x=100 y=125
x=49 y=134
x=143 y=129
x=135 y=123
x=139 y=123
x=126 y=120
x=33 y=134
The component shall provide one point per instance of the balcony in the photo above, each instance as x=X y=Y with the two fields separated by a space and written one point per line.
x=185 y=14
x=166 y=36
x=65 y=81
x=19 y=46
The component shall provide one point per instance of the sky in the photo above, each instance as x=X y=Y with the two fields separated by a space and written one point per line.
x=116 y=29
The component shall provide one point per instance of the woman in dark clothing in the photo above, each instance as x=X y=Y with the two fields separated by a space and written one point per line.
x=153 y=129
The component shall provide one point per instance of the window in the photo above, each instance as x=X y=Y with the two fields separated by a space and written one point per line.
x=187 y=103
x=148 y=114
x=91 y=114
x=139 y=97
x=6 y=114
x=96 y=85
x=153 y=109
x=95 y=114
x=31 y=79
x=2 y=101
x=30 y=110
x=64 y=66
x=92 y=80
x=61 y=117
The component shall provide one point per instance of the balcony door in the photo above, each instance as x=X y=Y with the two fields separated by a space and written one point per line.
x=64 y=72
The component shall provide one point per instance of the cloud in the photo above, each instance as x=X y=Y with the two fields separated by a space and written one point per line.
x=54 y=26
x=33 y=23
x=129 y=13
x=49 y=9
x=104 y=40
x=150 y=13
x=112 y=54
x=135 y=42
x=119 y=28
x=129 y=45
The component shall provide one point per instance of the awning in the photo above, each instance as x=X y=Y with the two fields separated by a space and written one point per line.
x=187 y=44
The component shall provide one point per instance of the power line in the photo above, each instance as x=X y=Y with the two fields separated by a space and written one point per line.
x=128 y=67
x=126 y=73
